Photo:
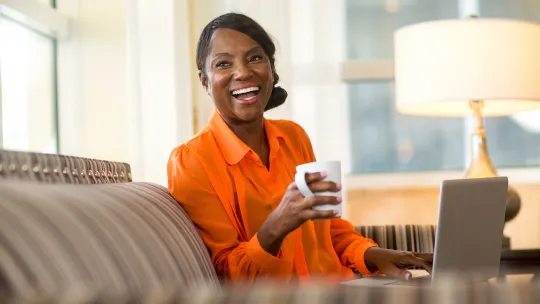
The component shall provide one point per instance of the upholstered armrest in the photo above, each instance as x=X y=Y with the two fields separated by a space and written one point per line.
x=416 y=238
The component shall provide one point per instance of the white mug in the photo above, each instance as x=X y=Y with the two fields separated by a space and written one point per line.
x=332 y=168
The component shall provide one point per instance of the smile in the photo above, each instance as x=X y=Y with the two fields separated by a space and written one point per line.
x=246 y=95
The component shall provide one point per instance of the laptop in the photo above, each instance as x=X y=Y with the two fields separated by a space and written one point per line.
x=468 y=239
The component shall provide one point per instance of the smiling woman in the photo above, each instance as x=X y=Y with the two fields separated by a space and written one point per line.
x=262 y=52
x=236 y=65
x=235 y=179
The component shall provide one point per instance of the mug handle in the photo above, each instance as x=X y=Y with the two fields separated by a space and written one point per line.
x=300 y=180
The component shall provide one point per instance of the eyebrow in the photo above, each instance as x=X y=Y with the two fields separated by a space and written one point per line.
x=230 y=55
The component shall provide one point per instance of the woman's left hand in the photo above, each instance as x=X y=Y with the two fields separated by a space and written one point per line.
x=395 y=263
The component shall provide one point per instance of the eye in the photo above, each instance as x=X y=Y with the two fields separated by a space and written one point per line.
x=222 y=64
x=255 y=58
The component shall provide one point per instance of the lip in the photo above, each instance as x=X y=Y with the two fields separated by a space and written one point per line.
x=246 y=102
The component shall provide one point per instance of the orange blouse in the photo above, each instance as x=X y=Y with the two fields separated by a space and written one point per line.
x=228 y=193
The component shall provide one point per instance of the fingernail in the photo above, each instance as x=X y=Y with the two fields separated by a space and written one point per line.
x=335 y=212
x=338 y=186
x=339 y=199
x=324 y=174
x=408 y=276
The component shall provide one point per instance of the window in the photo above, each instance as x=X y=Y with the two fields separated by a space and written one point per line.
x=28 y=85
x=383 y=141
x=513 y=142
x=28 y=115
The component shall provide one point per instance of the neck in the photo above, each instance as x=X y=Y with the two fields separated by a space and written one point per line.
x=251 y=133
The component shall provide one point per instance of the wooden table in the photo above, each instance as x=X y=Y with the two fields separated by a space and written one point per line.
x=525 y=261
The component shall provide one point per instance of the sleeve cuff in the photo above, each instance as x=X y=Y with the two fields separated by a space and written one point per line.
x=265 y=260
x=359 y=258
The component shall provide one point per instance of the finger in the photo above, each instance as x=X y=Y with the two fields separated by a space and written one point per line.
x=319 y=200
x=322 y=186
x=319 y=214
x=315 y=176
x=412 y=260
x=424 y=256
x=396 y=272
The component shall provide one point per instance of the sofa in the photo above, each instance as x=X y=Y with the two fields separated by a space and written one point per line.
x=79 y=230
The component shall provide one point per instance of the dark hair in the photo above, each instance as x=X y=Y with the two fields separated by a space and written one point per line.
x=251 y=28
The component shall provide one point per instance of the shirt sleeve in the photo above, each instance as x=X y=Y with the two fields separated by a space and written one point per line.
x=233 y=259
x=349 y=245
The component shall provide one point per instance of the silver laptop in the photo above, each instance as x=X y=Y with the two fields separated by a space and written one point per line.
x=469 y=234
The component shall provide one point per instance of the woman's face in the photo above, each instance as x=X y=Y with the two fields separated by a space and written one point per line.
x=239 y=76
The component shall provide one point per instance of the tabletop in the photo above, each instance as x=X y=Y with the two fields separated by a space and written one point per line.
x=521 y=261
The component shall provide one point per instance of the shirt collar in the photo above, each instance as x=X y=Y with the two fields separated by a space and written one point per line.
x=232 y=147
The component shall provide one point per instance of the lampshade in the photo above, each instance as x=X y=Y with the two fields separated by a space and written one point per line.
x=442 y=65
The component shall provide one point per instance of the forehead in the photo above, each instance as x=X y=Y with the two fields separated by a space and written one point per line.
x=231 y=41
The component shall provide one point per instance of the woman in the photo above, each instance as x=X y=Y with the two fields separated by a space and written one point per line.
x=235 y=178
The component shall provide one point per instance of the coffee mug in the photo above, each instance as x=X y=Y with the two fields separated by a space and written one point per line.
x=332 y=168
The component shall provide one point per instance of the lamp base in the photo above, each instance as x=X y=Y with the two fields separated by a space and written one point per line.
x=513 y=205
x=481 y=166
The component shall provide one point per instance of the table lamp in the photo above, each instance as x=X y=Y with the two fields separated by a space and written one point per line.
x=477 y=67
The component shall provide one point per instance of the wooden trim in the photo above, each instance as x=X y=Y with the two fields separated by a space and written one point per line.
x=431 y=179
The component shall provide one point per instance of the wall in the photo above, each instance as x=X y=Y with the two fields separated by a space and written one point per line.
x=93 y=104
x=159 y=85
x=124 y=89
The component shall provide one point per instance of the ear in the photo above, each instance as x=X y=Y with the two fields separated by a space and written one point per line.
x=204 y=80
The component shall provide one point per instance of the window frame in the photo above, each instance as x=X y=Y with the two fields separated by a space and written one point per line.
x=37 y=16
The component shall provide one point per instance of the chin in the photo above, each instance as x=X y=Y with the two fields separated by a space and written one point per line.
x=247 y=111
x=250 y=114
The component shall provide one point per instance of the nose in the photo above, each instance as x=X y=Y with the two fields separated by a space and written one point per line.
x=242 y=72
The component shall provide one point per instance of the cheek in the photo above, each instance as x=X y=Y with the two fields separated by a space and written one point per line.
x=220 y=83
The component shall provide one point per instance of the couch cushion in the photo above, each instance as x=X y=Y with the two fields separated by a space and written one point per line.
x=117 y=238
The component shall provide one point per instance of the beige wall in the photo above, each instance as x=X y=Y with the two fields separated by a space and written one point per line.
x=94 y=120
x=419 y=205
x=124 y=82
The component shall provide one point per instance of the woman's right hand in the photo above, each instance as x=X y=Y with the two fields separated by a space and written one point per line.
x=295 y=209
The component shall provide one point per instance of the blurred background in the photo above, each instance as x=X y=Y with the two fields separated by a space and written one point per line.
x=116 y=80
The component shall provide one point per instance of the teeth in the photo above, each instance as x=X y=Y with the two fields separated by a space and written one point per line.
x=246 y=90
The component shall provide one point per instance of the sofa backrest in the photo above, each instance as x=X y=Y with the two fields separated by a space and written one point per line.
x=124 y=238
x=415 y=238
x=70 y=223
x=64 y=169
